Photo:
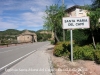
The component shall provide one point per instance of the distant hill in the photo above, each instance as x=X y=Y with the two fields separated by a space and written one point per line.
x=44 y=31
x=42 y=35
x=12 y=32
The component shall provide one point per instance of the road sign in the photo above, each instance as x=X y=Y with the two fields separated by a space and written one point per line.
x=76 y=22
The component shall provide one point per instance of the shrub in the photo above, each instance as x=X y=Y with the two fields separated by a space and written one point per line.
x=97 y=56
x=52 y=42
x=58 y=50
x=3 y=44
x=85 y=52
x=61 y=49
x=98 y=46
x=88 y=53
x=78 y=52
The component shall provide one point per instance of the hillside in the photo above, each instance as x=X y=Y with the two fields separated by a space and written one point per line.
x=12 y=32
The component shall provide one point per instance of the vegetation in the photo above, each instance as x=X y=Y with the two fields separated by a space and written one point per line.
x=85 y=52
x=61 y=49
x=53 y=20
x=95 y=4
x=97 y=56
x=87 y=41
x=94 y=23
x=43 y=36
x=9 y=36
x=10 y=32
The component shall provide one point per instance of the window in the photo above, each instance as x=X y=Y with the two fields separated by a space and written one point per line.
x=27 y=37
x=80 y=10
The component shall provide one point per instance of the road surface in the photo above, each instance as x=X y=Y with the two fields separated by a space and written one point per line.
x=9 y=54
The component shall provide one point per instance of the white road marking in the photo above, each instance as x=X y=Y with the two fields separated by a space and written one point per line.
x=4 y=67
x=16 y=60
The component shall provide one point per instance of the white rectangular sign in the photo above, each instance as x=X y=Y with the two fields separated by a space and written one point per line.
x=76 y=22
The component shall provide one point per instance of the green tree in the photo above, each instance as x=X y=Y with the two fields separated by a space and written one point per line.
x=53 y=20
x=93 y=13
x=94 y=22
x=95 y=4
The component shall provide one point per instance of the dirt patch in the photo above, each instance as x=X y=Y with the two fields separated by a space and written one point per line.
x=63 y=66
x=3 y=46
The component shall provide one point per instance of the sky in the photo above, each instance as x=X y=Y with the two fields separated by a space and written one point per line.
x=28 y=14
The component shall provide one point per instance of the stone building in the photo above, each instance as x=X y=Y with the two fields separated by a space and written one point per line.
x=76 y=11
x=26 y=37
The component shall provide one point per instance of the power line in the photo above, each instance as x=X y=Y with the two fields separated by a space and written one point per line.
x=58 y=1
x=84 y=2
x=73 y=2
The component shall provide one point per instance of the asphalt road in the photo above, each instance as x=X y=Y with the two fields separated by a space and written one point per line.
x=9 y=54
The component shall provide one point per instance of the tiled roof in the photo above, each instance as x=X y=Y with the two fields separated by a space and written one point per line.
x=73 y=7
x=28 y=33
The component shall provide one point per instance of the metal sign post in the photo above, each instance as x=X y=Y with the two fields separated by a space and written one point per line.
x=75 y=23
x=71 y=35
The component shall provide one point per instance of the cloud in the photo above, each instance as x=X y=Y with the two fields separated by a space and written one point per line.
x=30 y=14
x=33 y=19
x=26 y=14
x=6 y=25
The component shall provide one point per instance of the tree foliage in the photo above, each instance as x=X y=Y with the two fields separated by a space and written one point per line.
x=95 y=4
x=53 y=20
x=94 y=21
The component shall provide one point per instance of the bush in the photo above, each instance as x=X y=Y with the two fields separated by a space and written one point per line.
x=3 y=44
x=78 y=53
x=61 y=49
x=97 y=56
x=98 y=46
x=85 y=52
x=52 y=42
x=88 y=53
x=58 y=50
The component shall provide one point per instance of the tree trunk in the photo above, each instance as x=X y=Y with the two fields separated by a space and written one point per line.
x=93 y=41
x=52 y=35
x=56 y=37
x=63 y=35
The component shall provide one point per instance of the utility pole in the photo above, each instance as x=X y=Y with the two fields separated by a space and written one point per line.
x=62 y=16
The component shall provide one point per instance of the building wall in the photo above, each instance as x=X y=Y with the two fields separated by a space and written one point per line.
x=71 y=13
x=35 y=38
x=77 y=13
x=24 y=38
x=28 y=38
x=80 y=12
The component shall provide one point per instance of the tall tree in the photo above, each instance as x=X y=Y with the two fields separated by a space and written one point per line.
x=94 y=22
x=93 y=13
x=95 y=4
x=53 y=20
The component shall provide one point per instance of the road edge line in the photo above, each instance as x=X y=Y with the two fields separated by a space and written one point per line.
x=2 y=69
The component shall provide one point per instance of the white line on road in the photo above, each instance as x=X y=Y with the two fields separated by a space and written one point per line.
x=4 y=67
x=16 y=60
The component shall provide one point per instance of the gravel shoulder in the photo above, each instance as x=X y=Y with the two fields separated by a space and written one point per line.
x=63 y=66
